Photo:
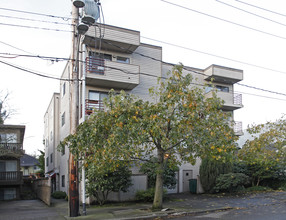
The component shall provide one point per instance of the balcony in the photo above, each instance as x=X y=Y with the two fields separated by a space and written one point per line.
x=11 y=149
x=237 y=127
x=91 y=105
x=232 y=101
x=11 y=178
x=223 y=74
x=112 y=38
x=109 y=74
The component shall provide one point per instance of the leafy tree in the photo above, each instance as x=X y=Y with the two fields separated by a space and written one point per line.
x=169 y=175
x=101 y=184
x=179 y=123
x=210 y=170
x=265 y=155
x=41 y=159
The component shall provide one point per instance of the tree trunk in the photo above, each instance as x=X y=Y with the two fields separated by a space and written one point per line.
x=158 y=197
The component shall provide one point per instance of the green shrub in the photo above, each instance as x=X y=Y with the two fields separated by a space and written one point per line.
x=258 y=189
x=210 y=170
x=231 y=182
x=59 y=195
x=147 y=195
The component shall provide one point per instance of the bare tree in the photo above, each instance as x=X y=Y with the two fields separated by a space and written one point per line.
x=5 y=110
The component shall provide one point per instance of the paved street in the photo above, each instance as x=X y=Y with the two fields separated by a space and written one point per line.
x=262 y=206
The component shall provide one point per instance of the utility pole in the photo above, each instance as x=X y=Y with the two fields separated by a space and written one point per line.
x=74 y=110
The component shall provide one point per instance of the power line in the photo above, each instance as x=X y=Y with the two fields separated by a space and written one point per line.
x=33 y=72
x=35 y=13
x=34 y=27
x=268 y=19
x=214 y=55
x=221 y=19
x=36 y=20
x=264 y=90
x=255 y=6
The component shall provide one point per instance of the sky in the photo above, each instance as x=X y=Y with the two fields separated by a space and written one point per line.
x=196 y=33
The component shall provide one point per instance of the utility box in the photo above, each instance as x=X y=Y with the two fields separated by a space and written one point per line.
x=193 y=185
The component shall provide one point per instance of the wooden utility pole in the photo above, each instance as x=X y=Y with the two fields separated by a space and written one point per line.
x=74 y=110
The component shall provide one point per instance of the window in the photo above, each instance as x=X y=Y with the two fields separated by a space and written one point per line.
x=63 y=181
x=51 y=157
x=64 y=88
x=218 y=87
x=123 y=60
x=222 y=88
x=8 y=138
x=63 y=119
x=47 y=161
x=95 y=101
x=63 y=150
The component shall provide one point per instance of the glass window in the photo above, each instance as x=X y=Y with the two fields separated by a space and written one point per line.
x=222 y=88
x=123 y=60
x=64 y=88
x=51 y=157
x=63 y=119
x=47 y=161
x=63 y=180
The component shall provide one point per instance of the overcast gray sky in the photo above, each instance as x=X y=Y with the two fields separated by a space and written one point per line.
x=196 y=33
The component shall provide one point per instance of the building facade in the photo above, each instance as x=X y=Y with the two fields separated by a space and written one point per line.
x=11 y=149
x=118 y=60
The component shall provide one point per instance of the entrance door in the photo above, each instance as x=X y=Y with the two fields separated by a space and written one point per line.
x=187 y=174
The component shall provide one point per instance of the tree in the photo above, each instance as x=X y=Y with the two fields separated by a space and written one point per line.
x=265 y=155
x=5 y=111
x=180 y=124
x=210 y=170
x=41 y=159
x=101 y=184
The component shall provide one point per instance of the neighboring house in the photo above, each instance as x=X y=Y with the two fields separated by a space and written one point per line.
x=119 y=61
x=29 y=166
x=11 y=150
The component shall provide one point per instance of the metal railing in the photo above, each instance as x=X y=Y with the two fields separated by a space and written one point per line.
x=95 y=65
x=237 y=127
x=12 y=147
x=91 y=105
x=237 y=99
x=12 y=176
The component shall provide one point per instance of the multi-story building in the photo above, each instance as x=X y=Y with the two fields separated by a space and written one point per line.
x=11 y=149
x=118 y=60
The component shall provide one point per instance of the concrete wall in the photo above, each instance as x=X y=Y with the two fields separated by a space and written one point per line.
x=42 y=187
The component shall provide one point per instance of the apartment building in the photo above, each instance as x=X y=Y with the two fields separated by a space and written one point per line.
x=118 y=60
x=11 y=150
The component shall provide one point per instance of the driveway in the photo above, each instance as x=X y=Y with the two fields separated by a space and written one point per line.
x=28 y=210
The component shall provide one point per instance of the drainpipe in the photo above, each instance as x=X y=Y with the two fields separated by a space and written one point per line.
x=83 y=115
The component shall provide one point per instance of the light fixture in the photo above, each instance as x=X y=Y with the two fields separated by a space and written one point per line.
x=82 y=28
x=78 y=3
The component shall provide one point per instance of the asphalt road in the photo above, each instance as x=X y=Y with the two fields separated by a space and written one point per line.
x=261 y=207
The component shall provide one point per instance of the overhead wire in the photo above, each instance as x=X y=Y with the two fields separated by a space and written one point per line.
x=248 y=12
x=35 y=27
x=35 y=13
x=224 y=20
x=35 y=20
x=261 y=8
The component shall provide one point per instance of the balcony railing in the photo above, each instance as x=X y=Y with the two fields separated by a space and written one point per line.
x=111 y=74
x=8 y=148
x=95 y=65
x=237 y=127
x=237 y=99
x=9 y=178
x=91 y=105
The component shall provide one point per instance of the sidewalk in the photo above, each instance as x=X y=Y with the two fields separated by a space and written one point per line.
x=177 y=204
